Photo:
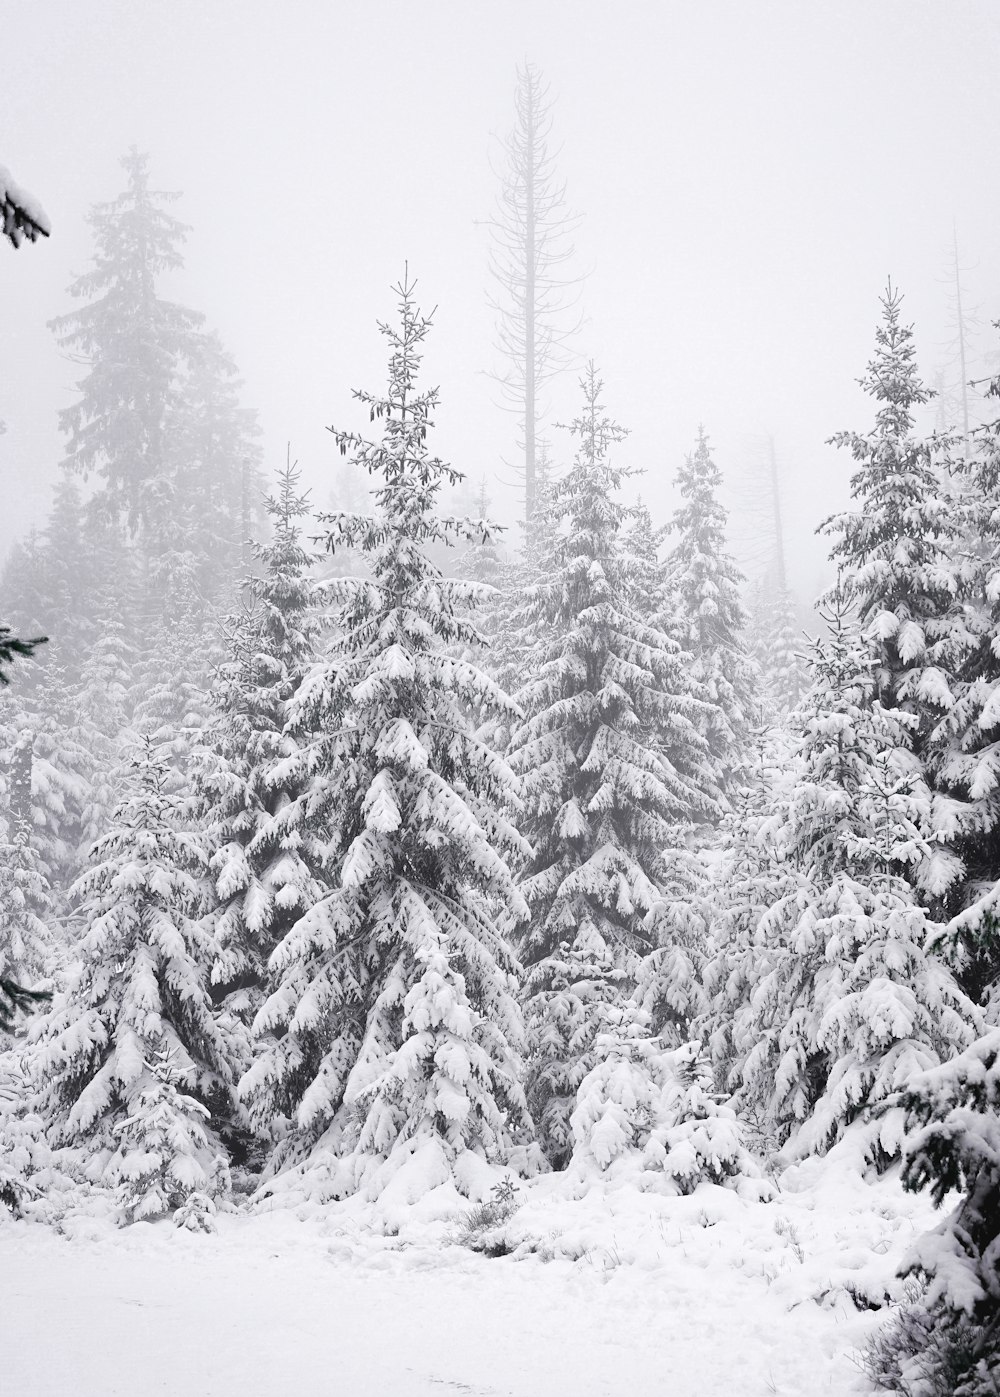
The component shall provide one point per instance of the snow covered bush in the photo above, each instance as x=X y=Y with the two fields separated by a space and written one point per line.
x=478 y=1229
x=36 y=1180
x=650 y=1117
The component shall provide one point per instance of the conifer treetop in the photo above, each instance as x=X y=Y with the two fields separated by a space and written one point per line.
x=900 y=557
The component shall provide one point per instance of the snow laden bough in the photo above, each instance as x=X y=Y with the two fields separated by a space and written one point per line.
x=23 y=216
x=949 y=1341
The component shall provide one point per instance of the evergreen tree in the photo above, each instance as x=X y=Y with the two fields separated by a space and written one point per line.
x=898 y=550
x=705 y=583
x=130 y=1060
x=852 y=1004
x=964 y=747
x=132 y=341
x=395 y=1026
x=25 y=939
x=158 y=419
x=45 y=776
x=265 y=859
x=777 y=648
x=609 y=751
x=217 y=469
x=752 y=876
x=951 y=1336
x=170 y=699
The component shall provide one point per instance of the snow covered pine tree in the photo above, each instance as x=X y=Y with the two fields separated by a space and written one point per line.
x=611 y=759
x=396 y=1024
x=130 y=1061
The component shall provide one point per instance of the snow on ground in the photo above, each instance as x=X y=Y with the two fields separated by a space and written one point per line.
x=609 y=1294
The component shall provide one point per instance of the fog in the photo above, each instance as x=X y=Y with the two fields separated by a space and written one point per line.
x=747 y=177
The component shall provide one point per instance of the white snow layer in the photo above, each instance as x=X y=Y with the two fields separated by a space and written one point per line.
x=615 y=1292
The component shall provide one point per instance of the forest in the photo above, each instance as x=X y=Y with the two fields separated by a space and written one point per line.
x=361 y=854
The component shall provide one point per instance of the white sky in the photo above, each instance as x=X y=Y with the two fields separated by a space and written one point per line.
x=749 y=173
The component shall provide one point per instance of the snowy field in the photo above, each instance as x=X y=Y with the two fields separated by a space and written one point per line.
x=614 y=1293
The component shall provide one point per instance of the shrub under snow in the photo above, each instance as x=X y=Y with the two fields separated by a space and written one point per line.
x=651 y=1117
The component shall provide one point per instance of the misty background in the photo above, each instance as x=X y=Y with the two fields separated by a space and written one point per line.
x=747 y=177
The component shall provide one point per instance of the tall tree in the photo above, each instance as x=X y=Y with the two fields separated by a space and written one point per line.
x=849 y=1003
x=898 y=549
x=263 y=854
x=529 y=260
x=611 y=761
x=396 y=1031
x=131 y=341
x=157 y=418
x=131 y=1062
x=964 y=746
x=711 y=618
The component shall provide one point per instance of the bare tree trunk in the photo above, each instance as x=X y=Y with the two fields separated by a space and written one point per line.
x=530 y=312
x=531 y=245
x=779 y=536
x=961 y=346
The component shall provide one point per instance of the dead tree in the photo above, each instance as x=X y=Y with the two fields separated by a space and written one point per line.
x=534 y=297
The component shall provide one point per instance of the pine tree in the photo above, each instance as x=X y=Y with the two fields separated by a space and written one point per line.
x=852 y=1004
x=608 y=750
x=130 y=1060
x=396 y=1029
x=170 y=699
x=753 y=875
x=898 y=550
x=952 y=1334
x=776 y=646
x=711 y=619
x=217 y=459
x=25 y=939
x=45 y=776
x=531 y=246
x=265 y=860
x=132 y=340
x=964 y=748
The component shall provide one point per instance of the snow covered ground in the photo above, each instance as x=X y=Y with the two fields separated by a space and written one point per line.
x=613 y=1293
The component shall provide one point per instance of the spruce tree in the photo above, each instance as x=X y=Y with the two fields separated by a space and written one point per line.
x=265 y=859
x=131 y=340
x=951 y=1335
x=396 y=1027
x=964 y=747
x=742 y=949
x=898 y=549
x=711 y=620
x=777 y=648
x=853 y=1004
x=610 y=756
x=25 y=938
x=133 y=1068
